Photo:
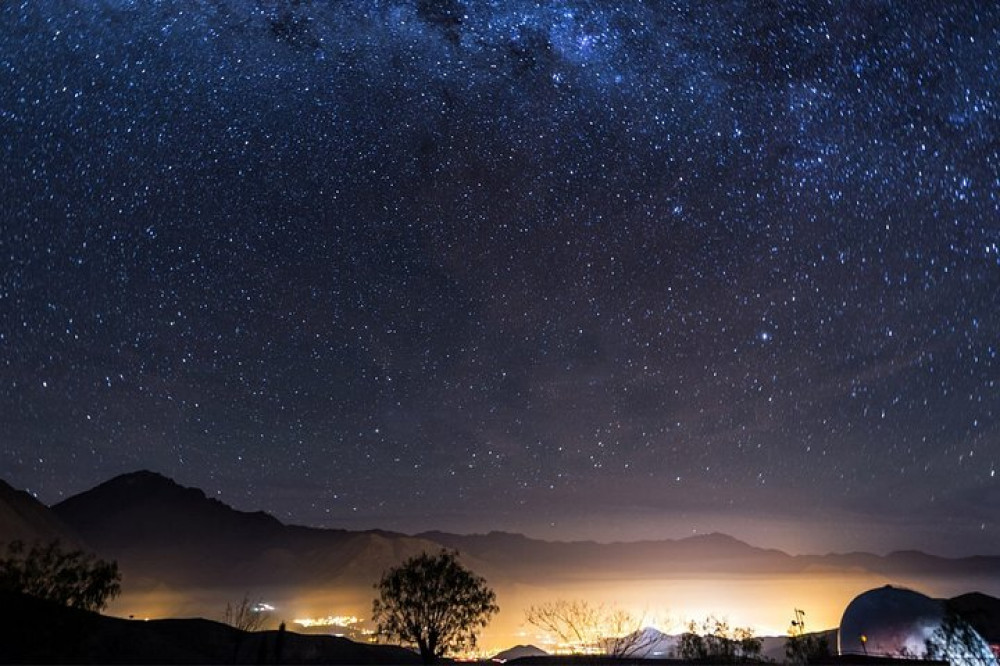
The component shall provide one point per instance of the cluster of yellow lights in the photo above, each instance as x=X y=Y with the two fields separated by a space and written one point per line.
x=471 y=655
x=328 y=621
x=555 y=646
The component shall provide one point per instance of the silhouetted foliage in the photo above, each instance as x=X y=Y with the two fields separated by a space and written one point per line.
x=71 y=578
x=748 y=645
x=587 y=628
x=715 y=642
x=434 y=603
x=692 y=645
x=803 y=648
x=245 y=614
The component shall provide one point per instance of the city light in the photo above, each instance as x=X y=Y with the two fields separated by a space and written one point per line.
x=329 y=621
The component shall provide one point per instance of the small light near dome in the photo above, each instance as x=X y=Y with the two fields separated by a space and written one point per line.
x=902 y=623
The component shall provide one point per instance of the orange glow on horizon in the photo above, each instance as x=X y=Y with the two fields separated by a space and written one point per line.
x=764 y=603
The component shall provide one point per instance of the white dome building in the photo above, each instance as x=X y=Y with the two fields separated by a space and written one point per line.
x=896 y=622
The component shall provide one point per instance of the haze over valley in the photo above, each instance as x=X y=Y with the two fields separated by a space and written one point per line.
x=186 y=555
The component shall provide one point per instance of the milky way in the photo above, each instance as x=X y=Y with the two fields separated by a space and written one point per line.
x=581 y=269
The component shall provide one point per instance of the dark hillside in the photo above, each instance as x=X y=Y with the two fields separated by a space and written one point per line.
x=39 y=632
x=24 y=518
x=159 y=530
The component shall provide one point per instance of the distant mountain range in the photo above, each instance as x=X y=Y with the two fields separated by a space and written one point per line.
x=710 y=553
x=160 y=531
x=167 y=537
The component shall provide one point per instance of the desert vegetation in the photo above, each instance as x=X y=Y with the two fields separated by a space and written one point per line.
x=585 y=628
x=433 y=603
x=245 y=614
x=803 y=648
x=714 y=641
x=70 y=578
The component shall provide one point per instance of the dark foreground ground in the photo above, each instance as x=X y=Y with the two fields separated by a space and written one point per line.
x=33 y=631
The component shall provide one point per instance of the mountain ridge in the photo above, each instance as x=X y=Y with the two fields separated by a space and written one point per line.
x=161 y=530
x=24 y=518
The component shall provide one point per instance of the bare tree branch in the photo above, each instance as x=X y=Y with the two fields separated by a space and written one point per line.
x=584 y=628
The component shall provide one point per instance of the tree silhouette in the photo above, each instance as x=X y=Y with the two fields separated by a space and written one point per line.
x=803 y=648
x=589 y=628
x=434 y=603
x=245 y=614
x=71 y=578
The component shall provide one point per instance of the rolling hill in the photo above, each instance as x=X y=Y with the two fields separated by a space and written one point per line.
x=37 y=631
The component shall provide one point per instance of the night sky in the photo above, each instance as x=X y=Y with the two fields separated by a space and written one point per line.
x=613 y=270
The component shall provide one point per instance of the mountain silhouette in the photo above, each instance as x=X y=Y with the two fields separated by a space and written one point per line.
x=518 y=652
x=534 y=557
x=24 y=518
x=152 y=507
x=159 y=530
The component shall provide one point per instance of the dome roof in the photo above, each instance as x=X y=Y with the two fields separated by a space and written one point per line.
x=896 y=622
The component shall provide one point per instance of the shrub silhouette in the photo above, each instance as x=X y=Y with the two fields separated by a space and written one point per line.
x=71 y=578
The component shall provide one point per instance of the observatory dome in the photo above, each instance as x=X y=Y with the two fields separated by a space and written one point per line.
x=896 y=622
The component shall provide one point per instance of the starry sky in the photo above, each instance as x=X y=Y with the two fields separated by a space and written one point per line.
x=581 y=269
